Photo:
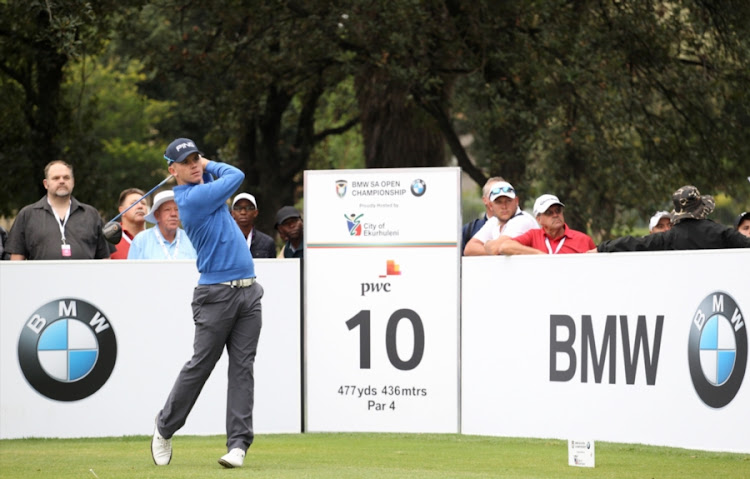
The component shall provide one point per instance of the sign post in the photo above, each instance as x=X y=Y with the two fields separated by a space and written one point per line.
x=381 y=297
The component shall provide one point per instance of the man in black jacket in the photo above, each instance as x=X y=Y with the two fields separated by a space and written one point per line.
x=690 y=229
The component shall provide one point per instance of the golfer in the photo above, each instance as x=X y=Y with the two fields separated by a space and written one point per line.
x=226 y=302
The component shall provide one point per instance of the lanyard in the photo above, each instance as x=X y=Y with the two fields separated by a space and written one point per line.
x=60 y=221
x=549 y=247
x=163 y=247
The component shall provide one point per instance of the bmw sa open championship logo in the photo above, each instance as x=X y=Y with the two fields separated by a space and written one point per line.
x=717 y=349
x=67 y=349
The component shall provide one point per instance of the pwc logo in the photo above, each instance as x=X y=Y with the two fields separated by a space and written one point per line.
x=717 y=349
x=391 y=269
x=67 y=349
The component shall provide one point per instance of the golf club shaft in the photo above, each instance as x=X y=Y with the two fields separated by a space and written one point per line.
x=141 y=198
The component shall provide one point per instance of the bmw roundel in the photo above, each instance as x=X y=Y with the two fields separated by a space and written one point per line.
x=717 y=349
x=67 y=349
x=418 y=187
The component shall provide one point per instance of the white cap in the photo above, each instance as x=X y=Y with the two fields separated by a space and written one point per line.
x=655 y=219
x=244 y=196
x=502 y=188
x=544 y=202
x=159 y=199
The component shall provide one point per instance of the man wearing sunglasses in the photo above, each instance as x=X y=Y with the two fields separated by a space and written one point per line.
x=553 y=238
x=472 y=227
x=507 y=221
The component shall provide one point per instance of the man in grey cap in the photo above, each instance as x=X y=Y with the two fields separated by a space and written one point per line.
x=289 y=226
x=690 y=229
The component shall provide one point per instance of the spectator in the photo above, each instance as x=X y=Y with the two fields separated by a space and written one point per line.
x=133 y=221
x=660 y=222
x=742 y=223
x=58 y=226
x=289 y=225
x=507 y=220
x=554 y=236
x=166 y=240
x=244 y=212
x=472 y=227
x=690 y=229
x=3 y=239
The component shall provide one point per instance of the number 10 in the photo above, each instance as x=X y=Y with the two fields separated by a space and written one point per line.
x=363 y=319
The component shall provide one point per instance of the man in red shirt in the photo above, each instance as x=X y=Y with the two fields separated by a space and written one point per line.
x=133 y=222
x=554 y=237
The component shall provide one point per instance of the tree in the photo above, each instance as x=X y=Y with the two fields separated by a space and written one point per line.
x=37 y=40
x=248 y=82
x=613 y=106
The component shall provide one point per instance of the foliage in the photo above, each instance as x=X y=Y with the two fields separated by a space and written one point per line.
x=610 y=105
x=130 y=150
x=37 y=40
x=613 y=106
x=247 y=81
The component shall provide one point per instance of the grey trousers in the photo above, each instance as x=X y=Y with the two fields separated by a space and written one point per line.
x=223 y=316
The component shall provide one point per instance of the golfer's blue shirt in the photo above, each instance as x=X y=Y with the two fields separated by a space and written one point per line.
x=222 y=249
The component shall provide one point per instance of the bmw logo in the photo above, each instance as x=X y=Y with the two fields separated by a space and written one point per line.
x=67 y=349
x=717 y=349
x=418 y=187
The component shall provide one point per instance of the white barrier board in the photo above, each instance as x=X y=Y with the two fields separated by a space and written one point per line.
x=631 y=347
x=145 y=307
x=381 y=294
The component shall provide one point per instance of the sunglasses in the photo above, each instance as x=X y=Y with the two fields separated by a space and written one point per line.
x=502 y=189
x=244 y=208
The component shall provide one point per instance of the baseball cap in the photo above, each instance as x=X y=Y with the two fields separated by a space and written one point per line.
x=544 y=202
x=502 y=188
x=244 y=196
x=160 y=198
x=180 y=149
x=285 y=213
x=655 y=219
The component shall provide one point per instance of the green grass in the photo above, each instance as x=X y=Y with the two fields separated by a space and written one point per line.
x=357 y=456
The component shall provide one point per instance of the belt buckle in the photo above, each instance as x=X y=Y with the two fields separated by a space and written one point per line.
x=241 y=283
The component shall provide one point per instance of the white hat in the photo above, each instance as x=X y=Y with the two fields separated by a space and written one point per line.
x=544 y=202
x=244 y=196
x=502 y=188
x=159 y=199
x=655 y=219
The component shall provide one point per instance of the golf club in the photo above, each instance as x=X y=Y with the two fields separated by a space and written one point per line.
x=113 y=230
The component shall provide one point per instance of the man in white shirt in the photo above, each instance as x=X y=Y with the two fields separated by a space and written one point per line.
x=508 y=220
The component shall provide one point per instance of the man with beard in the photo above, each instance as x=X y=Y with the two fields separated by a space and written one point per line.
x=133 y=221
x=57 y=226
x=289 y=225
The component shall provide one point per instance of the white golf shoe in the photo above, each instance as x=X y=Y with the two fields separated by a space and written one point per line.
x=233 y=458
x=161 y=449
